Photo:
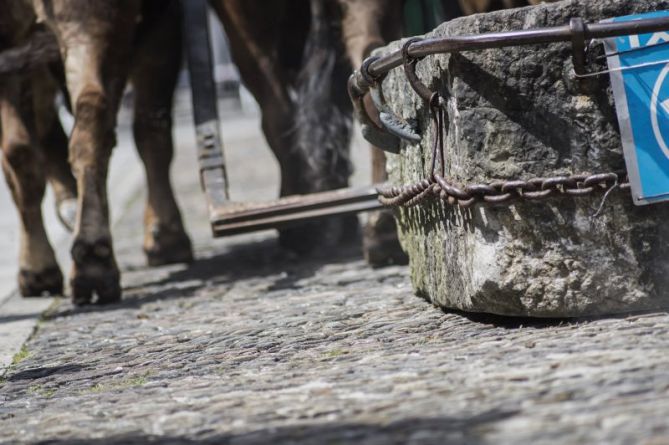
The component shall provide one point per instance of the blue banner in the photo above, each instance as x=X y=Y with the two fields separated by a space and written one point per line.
x=639 y=67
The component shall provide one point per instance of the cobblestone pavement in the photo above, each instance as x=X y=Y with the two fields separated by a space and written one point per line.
x=17 y=317
x=250 y=345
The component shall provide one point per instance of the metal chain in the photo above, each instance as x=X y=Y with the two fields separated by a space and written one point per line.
x=501 y=192
x=498 y=192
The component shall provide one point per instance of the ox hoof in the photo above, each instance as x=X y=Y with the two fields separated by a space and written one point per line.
x=67 y=213
x=37 y=284
x=106 y=287
x=168 y=247
x=95 y=275
x=380 y=244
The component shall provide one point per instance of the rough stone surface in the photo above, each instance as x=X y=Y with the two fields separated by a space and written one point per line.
x=518 y=113
x=252 y=346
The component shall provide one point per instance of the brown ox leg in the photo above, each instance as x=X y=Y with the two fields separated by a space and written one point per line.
x=154 y=78
x=254 y=31
x=53 y=140
x=96 y=42
x=24 y=170
x=368 y=25
x=259 y=34
x=267 y=41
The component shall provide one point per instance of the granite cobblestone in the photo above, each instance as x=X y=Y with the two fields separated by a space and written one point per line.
x=250 y=345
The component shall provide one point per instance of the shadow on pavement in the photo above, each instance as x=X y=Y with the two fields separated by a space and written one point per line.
x=225 y=264
x=509 y=322
x=437 y=430
x=237 y=262
x=19 y=317
x=38 y=373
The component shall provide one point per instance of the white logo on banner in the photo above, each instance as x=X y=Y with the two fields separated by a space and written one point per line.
x=658 y=37
x=664 y=105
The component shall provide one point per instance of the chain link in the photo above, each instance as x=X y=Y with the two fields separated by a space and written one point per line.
x=501 y=192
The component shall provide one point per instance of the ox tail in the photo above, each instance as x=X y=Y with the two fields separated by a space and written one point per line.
x=323 y=121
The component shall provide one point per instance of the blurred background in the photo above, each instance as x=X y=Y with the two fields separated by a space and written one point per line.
x=249 y=159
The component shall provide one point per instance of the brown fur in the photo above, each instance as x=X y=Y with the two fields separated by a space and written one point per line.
x=103 y=45
x=278 y=49
x=368 y=25
x=34 y=146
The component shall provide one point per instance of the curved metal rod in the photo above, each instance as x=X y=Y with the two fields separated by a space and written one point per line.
x=370 y=130
x=358 y=106
x=392 y=122
x=409 y=64
x=450 y=44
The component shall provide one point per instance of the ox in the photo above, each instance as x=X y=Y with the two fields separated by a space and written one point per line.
x=293 y=55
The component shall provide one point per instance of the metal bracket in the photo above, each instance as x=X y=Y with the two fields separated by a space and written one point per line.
x=213 y=175
x=391 y=122
x=578 y=46
x=577 y=32
x=394 y=124
x=370 y=130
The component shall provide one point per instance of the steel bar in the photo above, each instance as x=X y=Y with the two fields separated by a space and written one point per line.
x=242 y=218
x=449 y=44
x=296 y=203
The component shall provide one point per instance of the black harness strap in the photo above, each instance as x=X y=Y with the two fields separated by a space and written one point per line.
x=213 y=174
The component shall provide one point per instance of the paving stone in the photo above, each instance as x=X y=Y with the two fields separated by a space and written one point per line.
x=251 y=345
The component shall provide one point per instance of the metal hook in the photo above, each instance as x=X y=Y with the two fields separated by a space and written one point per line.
x=392 y=122
x=438 y=116
x=370 y=130
x=432 y=99
x=434 y=102
x=364 y=70
x=410 y=72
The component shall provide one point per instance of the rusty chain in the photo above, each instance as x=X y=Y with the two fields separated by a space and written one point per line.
x=501 y=192
x=498 y=192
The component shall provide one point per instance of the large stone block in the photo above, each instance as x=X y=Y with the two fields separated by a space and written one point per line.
x=519 y=113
